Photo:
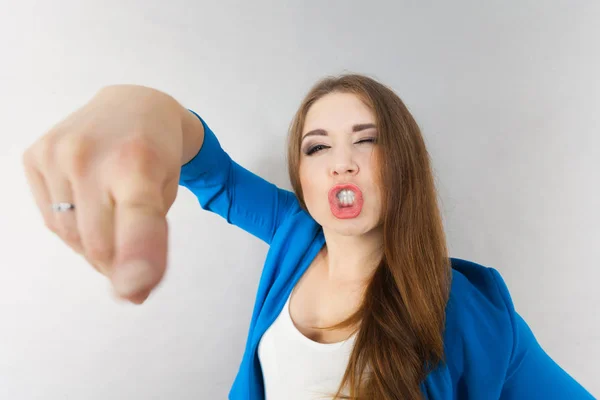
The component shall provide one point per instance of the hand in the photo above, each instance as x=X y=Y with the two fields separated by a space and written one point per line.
x=117 y=159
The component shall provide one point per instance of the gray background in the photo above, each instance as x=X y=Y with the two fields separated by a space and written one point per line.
x=507 y=95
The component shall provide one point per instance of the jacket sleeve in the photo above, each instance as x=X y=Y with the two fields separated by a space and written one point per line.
x=532 y=373
x=239 y=196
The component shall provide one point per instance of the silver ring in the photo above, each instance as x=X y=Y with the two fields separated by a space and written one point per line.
x=61 y=207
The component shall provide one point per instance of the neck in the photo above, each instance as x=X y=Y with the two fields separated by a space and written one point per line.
x=352 y=259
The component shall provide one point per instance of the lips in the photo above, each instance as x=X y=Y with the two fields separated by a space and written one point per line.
x=344 y=212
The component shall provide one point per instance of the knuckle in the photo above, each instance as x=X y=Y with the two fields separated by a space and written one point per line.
x=70 y=237
x=98 y=250
x=27 y=158
x=74 y=153
x=137 y=155
x=44 y=151
x=145 y=197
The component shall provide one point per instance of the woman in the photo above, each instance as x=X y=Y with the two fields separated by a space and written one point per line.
x=358 y=297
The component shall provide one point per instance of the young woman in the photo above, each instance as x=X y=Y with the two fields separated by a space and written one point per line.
x=358 y=297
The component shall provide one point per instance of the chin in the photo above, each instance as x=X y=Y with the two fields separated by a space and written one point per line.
x=349 y=231
x=357 y=226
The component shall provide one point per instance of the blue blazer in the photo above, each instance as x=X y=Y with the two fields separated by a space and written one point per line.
x=491 y=352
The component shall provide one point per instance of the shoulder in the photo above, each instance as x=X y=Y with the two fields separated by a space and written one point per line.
x=480 y=286
x=479 y=334
x=479 y=300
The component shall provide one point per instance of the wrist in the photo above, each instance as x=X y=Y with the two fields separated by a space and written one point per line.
x=193 y=135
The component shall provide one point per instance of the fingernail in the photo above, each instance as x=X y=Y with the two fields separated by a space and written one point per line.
x=130 y=278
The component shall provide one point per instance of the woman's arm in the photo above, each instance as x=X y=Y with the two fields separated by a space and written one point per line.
x=193 y=135
x=224 y=187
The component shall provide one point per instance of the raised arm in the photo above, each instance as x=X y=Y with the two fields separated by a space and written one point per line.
x=105 y=177
x=224 y=187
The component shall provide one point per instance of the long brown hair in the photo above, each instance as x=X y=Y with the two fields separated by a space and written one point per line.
x=402 y=313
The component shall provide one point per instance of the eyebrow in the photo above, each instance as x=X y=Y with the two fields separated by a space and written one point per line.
x=323 y=132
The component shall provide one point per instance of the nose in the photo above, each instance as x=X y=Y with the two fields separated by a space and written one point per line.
x=343 y=164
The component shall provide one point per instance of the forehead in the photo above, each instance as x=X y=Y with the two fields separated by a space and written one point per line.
x=337 y=111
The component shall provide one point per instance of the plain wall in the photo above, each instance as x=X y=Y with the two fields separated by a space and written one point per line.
x=507 y=95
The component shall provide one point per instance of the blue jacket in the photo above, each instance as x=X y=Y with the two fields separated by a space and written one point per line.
x=491 y=352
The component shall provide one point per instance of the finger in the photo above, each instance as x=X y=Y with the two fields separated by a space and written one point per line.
x=136 y=299
x=49 y=151
x=140 y=220
x=43 y=198
x=95 y=222
x=65 y=222
x=141 y=248
x=38 y=189
x=101 y=268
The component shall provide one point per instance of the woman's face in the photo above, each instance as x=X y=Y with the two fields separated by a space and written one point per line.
x=338 y=165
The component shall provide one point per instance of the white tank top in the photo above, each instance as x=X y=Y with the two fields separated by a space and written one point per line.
x=297 y=368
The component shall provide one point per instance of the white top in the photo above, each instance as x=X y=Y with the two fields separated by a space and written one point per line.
x=297 y=368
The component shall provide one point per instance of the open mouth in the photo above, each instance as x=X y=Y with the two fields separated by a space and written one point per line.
x=345 y=201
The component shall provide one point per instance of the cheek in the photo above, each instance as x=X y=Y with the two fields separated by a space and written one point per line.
x=303 y=174
x=313 y=186
x=309 y=188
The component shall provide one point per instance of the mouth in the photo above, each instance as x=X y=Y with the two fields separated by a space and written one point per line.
x=345 y=201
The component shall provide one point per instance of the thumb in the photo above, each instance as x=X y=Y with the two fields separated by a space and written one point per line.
x=141 y=251
x=140 y=257
x=140 y=236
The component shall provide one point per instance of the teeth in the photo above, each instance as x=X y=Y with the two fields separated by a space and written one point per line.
x=346 y=197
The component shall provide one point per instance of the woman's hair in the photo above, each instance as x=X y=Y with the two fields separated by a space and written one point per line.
x=402 y=314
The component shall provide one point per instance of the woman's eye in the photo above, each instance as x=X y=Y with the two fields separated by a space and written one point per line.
x=314 y=149
x=368 y=140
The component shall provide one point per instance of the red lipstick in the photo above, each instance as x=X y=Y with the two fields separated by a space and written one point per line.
x=341 y=211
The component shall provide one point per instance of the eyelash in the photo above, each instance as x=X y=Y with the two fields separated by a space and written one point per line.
x=316 y=148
